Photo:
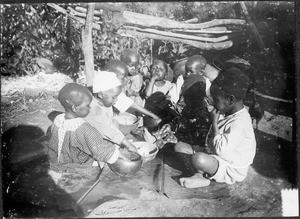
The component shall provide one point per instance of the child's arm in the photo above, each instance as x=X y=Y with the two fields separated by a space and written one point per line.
x=149 y=88
x=145 y=111
x=214 y=115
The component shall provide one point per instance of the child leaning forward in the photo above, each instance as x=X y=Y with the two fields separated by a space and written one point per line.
x=74 y=144
x=231 y=138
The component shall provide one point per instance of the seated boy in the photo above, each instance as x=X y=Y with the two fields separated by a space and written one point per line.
x=74 y=144
x=107 y=87
x=231 y=139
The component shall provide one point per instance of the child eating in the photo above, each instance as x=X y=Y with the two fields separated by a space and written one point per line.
x=74 y=144
x=231 y=139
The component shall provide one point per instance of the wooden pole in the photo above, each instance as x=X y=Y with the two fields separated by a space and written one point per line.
x=87 y=45
x=259 y=40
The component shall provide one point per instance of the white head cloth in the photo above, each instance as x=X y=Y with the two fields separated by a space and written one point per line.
x=104 y=81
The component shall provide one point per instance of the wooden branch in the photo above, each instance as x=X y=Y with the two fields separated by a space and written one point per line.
x=79 y=14
x=87 y=45
x=177 y=35
x=193 y=20
x=80 y=20
x=197 y=44
x=152 y=21
x=106 y=6
x=259 y=40
x=269 y=97
x=84 y=10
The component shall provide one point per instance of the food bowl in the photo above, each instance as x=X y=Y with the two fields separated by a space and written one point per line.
x=147 y=150
x=127 y=122
x=127 y=167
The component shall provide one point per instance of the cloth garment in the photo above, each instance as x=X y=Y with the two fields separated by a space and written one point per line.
x=123 y=103
x=164 y=89
x=102 y=118
x=175 y=91
x=104 y=80
x=75 y=144
x=235 y=77
x=135 y=83
x=234 y=147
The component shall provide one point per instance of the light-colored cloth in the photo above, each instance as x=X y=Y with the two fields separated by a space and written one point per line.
x=135 y=83
x=102 y=118
x=175 y=91
x=123 y=103
x=164 y=89
x=234 y=147
x=104 y=80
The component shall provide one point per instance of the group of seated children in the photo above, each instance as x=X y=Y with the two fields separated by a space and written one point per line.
x=87 y=130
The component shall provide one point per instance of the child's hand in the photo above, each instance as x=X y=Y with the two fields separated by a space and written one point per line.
x=214 y=115
x=155 y=77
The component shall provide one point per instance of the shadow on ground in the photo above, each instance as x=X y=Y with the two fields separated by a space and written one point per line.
x=275 y=158
x=28 y=190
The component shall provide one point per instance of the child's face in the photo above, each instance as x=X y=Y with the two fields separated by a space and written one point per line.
x=109 y=98
x=133 y=68
x=158 y=69
x=220 y=102
x=84 y=108
x=194 y=68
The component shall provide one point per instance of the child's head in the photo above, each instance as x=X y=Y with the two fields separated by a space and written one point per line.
x=159 y=68
x=229 y=89
x=75 y=99
x=118 y=67
x=107 y=87
x=131 y=58
x=195 y=65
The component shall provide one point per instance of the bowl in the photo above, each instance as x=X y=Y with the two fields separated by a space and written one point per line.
x=127 y=167
x=147 y=150
x=127 y=122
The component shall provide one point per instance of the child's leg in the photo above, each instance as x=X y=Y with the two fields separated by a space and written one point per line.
x=185 y=152
x=203 y=163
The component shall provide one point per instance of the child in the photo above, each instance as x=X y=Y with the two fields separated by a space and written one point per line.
x=232 y=139
x=74 y=144
x=107 y=87
x=157 y=82
x=134 y=79
x=123 y=102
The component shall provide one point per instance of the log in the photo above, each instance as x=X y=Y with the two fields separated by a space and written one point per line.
x=205 y=46
x=84 y=10
x=87 y=45
x=177 y=35
x=106 y=6
x=79 y=14
x=80 y=20
x=152 y=21
x=269 y=97
x=193 y=20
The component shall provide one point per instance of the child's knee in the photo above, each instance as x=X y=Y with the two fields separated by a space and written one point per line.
x=182 y=147
x=199 y=160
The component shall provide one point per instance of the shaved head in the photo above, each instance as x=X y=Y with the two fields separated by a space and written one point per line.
x=73 y=94
x=195 y=65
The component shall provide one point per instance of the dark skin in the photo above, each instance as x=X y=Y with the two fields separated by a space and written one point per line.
x=81 y=110
x=223 y=103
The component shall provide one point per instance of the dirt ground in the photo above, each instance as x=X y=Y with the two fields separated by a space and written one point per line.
x=258 y=196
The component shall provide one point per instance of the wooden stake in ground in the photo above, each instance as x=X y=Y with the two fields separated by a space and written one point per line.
x=87 y=45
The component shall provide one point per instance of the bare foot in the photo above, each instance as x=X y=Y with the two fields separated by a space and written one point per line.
x=194 y=181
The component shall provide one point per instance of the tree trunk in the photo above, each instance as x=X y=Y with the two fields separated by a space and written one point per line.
x=87 y=45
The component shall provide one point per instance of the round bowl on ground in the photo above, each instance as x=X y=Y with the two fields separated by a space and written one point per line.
x=146 y=150
x=127 y=122
x=127 y=167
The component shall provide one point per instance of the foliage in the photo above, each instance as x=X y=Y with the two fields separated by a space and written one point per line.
x=29 y=31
